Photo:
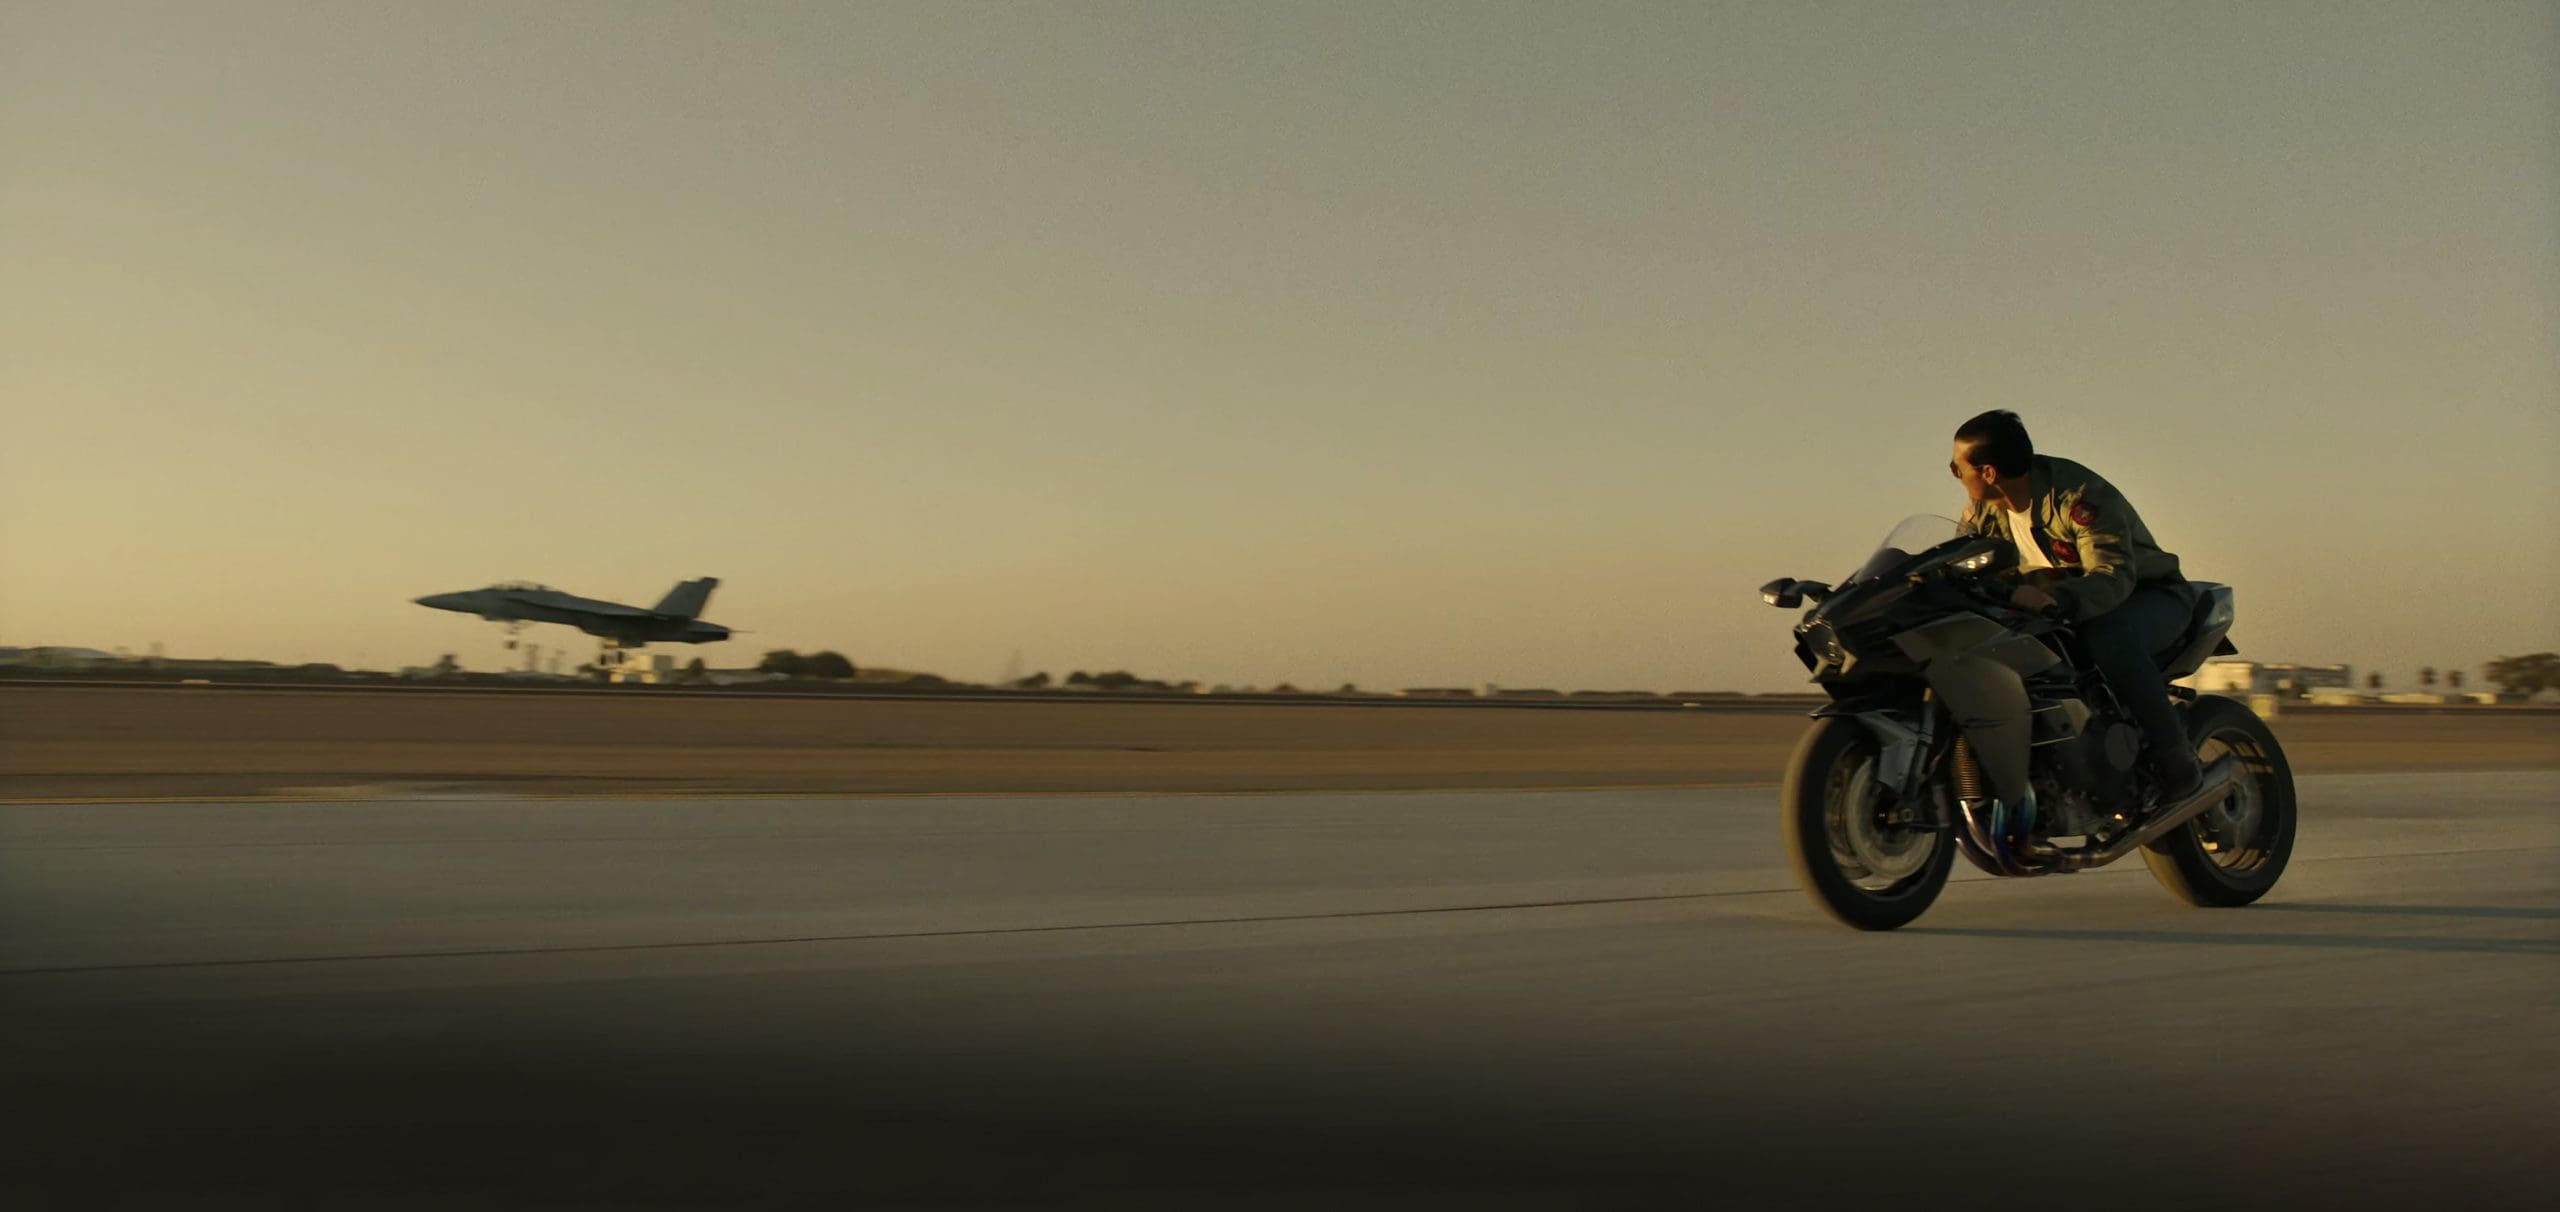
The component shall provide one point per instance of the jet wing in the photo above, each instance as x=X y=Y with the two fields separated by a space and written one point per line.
x=614 y=609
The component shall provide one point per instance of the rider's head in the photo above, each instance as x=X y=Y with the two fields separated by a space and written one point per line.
x=1992 y=454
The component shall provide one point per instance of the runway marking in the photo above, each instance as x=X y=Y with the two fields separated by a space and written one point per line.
x=337 y=796
x=893 y=936
x=2349 y=942
x=1166 y=923
x=341 y=794
x=2390 y=854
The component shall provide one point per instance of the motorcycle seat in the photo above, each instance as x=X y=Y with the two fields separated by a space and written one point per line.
x=2208 y=596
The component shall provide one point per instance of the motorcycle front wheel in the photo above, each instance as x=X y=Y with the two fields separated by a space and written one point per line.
x=1849 y=856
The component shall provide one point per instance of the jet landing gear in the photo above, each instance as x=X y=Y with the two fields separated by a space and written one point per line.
x=609 y=660
x=625 y=661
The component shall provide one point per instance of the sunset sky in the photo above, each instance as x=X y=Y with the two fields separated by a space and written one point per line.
x=1389 y=343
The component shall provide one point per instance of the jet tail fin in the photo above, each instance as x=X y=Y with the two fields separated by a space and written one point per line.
x=687 y=599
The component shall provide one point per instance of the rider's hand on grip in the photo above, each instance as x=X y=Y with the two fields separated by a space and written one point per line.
x=2032 y=599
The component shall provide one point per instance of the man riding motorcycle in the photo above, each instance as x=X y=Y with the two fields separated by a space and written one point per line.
x=2084 y=555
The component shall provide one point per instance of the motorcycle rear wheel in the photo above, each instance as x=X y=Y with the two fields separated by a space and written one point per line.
x=2233 y=852
x=1861 y=869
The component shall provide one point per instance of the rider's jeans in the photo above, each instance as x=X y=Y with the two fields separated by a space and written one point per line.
x=2122 y=642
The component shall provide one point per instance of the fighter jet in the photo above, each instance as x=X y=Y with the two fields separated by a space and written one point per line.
x=516 y=603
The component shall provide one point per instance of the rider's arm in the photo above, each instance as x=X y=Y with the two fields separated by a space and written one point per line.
x=1976 y=521
x=2102 y=525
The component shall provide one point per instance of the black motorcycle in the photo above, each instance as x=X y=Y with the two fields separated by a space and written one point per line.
x=1960 y=724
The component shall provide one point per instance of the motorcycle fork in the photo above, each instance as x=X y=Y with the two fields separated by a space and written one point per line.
x=1914 y=807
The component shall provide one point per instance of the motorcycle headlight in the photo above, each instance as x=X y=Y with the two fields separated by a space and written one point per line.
x=1974 y=563
x=1824 y=644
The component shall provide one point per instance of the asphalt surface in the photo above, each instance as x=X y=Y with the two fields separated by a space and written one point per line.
x=60 y=742
x=1480 y=999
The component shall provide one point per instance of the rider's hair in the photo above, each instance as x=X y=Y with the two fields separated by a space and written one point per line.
x=1999 y=439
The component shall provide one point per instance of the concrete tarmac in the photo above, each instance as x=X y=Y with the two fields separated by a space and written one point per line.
x=1481 y=999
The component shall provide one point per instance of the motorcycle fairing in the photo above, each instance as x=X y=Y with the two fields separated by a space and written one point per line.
x=1898 y=747
x=1979 y=669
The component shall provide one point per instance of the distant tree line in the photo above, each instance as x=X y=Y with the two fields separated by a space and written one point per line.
x=815 y=665
x=2531 y=673
x=2513 y=675
x=1116 y=679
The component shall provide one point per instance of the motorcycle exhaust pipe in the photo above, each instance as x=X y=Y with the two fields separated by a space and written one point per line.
x=1973 y=852
x=2220 y=776
x=1986 y=835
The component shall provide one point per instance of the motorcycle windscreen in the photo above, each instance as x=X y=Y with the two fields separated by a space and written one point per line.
x=1909 y=537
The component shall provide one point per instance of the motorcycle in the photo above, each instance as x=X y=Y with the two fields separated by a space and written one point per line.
x=1961 y=725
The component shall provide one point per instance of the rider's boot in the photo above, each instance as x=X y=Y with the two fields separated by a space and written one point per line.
x=2172 y=757
x=2179 y=772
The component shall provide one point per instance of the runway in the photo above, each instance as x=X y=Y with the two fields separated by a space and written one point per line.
x=1472 y=999
x=140 y=742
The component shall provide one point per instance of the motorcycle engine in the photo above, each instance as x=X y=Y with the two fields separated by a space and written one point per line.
x=2083 y=779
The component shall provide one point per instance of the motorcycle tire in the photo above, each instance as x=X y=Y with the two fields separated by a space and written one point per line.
x=1866 y=873
x=2233 y=852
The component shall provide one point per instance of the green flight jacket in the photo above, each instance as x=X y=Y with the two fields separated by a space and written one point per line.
x=2086 y=527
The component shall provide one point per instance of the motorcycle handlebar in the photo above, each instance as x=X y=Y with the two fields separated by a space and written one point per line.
x=1995 y=594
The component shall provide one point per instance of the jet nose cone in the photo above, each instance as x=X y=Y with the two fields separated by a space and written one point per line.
x=440 y=601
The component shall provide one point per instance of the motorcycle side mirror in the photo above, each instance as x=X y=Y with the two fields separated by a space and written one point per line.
x=1787 y=593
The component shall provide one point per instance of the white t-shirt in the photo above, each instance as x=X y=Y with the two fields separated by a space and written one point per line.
x=2022 y=531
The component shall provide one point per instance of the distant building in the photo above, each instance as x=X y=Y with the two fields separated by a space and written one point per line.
x=647 y=668
x=740 y=677
x=56 y=657
x=2267 y=677
x=212 y=665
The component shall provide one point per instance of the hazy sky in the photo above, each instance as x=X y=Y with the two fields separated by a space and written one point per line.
x=1401 y=344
